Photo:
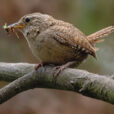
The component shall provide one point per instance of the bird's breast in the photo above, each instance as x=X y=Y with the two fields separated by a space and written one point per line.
x=48 y=50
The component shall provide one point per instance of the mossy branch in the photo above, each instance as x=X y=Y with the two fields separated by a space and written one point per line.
x=23 y=77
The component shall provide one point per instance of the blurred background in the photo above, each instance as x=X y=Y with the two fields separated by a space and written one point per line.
x=89 y=16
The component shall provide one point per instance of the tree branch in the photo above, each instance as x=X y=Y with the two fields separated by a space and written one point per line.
x=11 y=71
x=89 y=84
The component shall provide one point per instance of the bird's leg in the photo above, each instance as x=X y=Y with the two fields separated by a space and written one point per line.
x=62 y=67
x=38 y=66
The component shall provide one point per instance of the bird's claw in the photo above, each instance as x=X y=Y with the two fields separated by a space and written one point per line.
x=59 y=70
x=38 y=66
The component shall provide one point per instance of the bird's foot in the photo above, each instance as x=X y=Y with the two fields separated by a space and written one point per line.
x=63 y=67
x=38 y=66
x=59 y=70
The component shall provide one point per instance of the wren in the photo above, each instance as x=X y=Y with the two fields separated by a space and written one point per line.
x=57 y=42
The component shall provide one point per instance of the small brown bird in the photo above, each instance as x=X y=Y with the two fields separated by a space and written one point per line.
x=57 y=42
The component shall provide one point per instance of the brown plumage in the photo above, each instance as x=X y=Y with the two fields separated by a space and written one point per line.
x=57 y=42
x=96 y=37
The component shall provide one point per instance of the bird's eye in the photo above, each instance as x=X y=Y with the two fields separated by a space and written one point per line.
x=27 y=20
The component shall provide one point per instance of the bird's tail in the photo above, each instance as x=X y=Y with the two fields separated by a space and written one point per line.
x=97 y=37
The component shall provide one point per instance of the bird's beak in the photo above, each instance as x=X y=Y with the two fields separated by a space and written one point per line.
x=13 y=26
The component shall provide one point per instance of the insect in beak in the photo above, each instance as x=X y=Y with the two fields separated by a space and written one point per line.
x=12 y=27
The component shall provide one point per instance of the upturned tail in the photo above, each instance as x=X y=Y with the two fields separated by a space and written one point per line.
x=97 y=37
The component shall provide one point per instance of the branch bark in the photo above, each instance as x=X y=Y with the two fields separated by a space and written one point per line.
x=23 y=77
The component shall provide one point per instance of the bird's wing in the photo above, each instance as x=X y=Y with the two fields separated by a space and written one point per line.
x=72 y=37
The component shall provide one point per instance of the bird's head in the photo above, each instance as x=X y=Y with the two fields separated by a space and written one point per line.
x=31 y=22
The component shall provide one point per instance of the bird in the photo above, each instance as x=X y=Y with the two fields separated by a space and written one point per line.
x=57 y=42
